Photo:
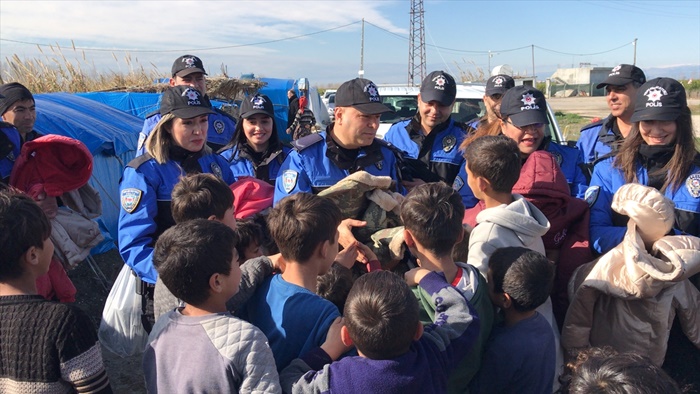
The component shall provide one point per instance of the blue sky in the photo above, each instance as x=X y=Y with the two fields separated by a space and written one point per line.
x=668 y=34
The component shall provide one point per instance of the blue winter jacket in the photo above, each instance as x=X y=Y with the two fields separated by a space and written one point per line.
x=9 y=150
x=310 y=168
x=597 y=140
x=145 y=206
x=569 y=160
x=608 y=228
x=445 y=158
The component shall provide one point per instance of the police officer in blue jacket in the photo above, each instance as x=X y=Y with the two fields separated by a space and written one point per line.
x=660 y=153
x=601 y=138
x=431 y=138
x=256 y=150
x=524 y=118
x=176 y=147
x=188 y=70
x=319 y=161
x=496 y=87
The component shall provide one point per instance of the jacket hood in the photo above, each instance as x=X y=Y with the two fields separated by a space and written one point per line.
x=521 y=216
x=541 y=175
x=543 y=183
x=52 y=163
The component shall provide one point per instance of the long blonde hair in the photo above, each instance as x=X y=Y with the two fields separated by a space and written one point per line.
x=160 y=140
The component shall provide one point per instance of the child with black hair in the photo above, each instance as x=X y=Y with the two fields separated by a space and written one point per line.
x=396 y=353
x=201 y=347
x=432 y=217
x=204 y=196
x=44 y=346
x=520 y=356
x=605 y=371
x=493 y=167
x=335 y=285
x=250 y=236
x=286 y=307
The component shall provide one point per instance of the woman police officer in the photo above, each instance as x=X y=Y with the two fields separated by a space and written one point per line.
x=176 y=147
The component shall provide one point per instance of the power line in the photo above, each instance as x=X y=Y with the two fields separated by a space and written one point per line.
x=191 y=49
x=582 y=54
x=311 y=34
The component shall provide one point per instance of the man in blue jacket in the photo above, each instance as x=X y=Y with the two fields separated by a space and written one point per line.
x=431 y=138
x=320 y=160
x=189 y=70
x=601 y=138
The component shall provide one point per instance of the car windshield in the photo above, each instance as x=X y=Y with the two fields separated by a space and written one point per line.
x=405 y=107
x=331 y=99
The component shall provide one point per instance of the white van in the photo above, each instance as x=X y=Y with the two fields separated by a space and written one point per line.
x=469 y=105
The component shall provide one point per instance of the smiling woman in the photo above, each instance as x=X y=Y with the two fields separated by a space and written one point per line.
x=659 y=152
x=175 y=147
x=255 y=149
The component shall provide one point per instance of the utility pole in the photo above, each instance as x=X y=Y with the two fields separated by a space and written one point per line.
x=533 y=62
x=416 y=45
x=634 y=44
x=361 y=73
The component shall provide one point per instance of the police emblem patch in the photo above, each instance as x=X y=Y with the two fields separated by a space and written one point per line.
x=693 y=185
x=448 y=143
x=218 y=126
x=557 y=157
x=457 y=184
x=130 y=199
x=216 y=170
x=289 y=180
x=591 y=195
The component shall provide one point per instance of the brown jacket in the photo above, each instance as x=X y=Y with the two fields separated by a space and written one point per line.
x=629 y=297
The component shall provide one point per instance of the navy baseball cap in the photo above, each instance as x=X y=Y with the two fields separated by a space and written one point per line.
x=258 y=104
x=499 y=84
x=623 y=74
x=524 y=105
x=184 y=102
x=186 y=65
x=361 y=94
x=438 y=86
x=659 y=99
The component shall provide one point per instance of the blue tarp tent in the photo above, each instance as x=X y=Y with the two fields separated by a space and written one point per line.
x=276 y=89
x=137 y=104
x=109 y=134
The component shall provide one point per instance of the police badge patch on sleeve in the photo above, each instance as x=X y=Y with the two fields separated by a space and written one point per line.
x=289 y=180
x=448 y=143
x=693 y=185
x=130 y=199
x=457 y=184
x=218 y=126
x=591 y=195
x=216 y=170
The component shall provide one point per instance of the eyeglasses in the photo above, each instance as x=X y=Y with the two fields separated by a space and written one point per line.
x=530 y=127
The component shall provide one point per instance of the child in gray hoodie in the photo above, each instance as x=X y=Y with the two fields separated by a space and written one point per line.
x=493 y=167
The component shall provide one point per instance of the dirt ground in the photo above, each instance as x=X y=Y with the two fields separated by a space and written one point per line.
x=124 y=373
